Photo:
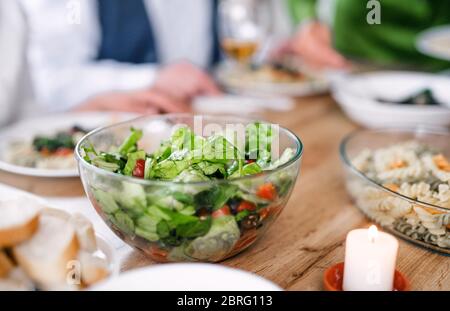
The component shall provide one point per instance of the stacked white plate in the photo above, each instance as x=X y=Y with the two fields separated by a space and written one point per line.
x=242 y=105
x=359 y=94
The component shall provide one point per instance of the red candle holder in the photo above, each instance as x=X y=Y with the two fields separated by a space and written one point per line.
x=333 y=278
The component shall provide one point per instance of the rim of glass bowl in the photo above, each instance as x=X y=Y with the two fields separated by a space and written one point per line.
x=347 y=162
x=149 y=182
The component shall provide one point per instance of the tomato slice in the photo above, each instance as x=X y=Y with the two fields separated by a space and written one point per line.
x=223 y=211
x=246 y=205
x=158 y=254
x=63 y=152
x=267 y=191
x=139 y=168
x=45 y=152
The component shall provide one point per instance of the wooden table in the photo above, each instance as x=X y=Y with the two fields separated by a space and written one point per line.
x=309 y=235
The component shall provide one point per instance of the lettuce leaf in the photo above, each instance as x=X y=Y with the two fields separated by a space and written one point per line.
x=218 y=242
x=130 y=143
x=146 y=228
x=215 y=197
x=191 y=175
x=287 y=155
x=131 y=163
x=182 y=138
x=209 y=168
x=258 y=140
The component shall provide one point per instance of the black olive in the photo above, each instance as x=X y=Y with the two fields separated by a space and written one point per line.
x=234 y=204
x=250 y=222
x=202 y=213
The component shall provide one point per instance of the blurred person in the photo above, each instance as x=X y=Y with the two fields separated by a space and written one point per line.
x=134 y=55
x=332 y=32
x=15 y=88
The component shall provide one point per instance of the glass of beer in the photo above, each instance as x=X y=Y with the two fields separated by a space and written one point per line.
x=243 y=27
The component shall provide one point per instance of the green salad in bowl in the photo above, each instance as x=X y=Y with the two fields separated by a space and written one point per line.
x=186 y=188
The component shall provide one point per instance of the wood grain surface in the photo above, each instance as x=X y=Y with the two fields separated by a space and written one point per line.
x=309 y=234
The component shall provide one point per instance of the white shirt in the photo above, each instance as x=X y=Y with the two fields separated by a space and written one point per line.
x=15 y=89
x=65 y=37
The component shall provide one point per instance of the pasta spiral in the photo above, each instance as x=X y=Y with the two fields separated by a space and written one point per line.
x=414 y=171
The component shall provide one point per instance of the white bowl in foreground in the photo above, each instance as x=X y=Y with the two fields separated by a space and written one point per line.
x=187 y=277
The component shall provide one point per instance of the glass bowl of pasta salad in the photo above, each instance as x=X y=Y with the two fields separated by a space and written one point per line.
x=400 y=178
x=189 y=188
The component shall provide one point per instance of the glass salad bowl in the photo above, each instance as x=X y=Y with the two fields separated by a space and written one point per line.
x=180 y=187
x=400 y=178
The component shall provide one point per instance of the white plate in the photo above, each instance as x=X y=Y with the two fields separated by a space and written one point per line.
x=243 y=105
x=11 y=193
x=28 y=129
x=234 y=84
x=187 y=277
x=357 y=94
x=435 y=42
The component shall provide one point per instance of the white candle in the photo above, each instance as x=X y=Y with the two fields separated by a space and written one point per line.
x=370 y=258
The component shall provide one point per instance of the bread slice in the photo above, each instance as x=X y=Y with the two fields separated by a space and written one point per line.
x=93 y=268
x=47 y=256
x=56 y=213
x=83 y=227
x=6 y=265
x=19 y=220
x=17 y=281
x=85 y=232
